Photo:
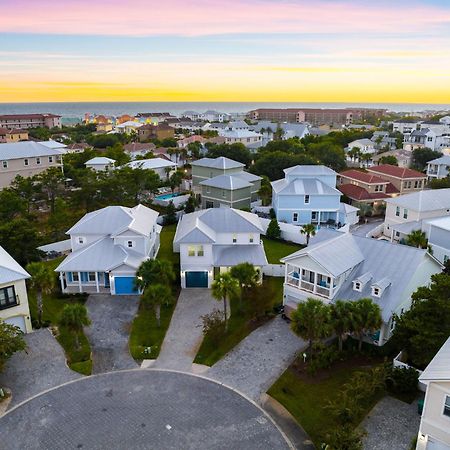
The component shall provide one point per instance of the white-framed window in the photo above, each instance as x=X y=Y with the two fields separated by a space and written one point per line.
x=357 y=286
x=446 y=411
x=5 y=164
x=26 y=162
x=81 y=239
x=91 y=276
x=234 y=239
x=130 y=244
x=38 y=160
x=306 y=199
x=375 y=291
x=75 y=276
x=250 y=239
x=200 y=251
x=50 y=159
x=294 y=217
x=191 y=250
x=397 y=211
x=405 y=213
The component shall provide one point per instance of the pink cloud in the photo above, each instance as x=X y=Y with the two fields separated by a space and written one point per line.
x=206 y=17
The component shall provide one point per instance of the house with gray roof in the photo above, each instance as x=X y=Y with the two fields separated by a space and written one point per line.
x=14 y=308
x=100 y=164
x=344 y=266
x=438 y=168
x=107 y=247
x=213 y=240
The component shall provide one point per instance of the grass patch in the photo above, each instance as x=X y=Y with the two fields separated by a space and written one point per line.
x=306 y=397
x=275 y=250
x=166 y=248
x=77 y=358
x=242 y=321
x=146 y=334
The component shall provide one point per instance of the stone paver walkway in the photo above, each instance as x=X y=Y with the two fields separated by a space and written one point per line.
x=258 y=361
x=41 y=367
x=108 y=334
x=184 y=336
x=391 y=424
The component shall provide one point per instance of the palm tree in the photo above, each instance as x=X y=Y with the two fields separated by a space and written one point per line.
x=417 y=238
x=311 y=321
x=265 y=191
x=342 y=319
x=42 y=281
x=154 y=296
x=224 y=287
x=74 y=317
x=366 y=318
x=154 y=271
x=309 y=229
x=247 y=276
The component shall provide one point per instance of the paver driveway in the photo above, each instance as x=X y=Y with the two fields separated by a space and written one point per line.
x=140 y=409
x=41 y=367
x=108 y=334
x=184 y=336
x=258 y=361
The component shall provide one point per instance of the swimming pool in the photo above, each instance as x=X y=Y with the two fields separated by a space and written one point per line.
x=168 y=196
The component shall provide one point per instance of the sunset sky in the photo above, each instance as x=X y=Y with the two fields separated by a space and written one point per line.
x=215 y=50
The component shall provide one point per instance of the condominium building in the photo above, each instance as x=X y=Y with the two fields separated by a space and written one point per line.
x=30 y=121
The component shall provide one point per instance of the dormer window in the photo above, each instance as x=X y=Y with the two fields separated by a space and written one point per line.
x=234 y=239
x=130 y=244
x=357 y=286
x=376 y=291
x=250 y=239
x=306 y=199
x=81 y=240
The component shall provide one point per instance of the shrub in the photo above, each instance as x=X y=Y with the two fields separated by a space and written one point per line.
x=273 y=230
x=214 y=326
x=401 y=380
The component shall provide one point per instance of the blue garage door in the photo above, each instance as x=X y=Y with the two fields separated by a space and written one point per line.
x=125 y=286
x=196 y=279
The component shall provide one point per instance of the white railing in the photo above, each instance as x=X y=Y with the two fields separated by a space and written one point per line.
x=307 y=286
x=323 y=291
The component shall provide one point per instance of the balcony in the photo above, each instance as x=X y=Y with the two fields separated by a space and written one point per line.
x=321 y=288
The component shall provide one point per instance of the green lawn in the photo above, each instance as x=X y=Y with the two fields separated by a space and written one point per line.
x=166 y=240
x=275 y=250
x=78 y=359
x=242 y=322
x=305 y=399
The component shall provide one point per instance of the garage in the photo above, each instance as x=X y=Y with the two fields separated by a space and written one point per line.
x=17 y=321
x=125 y=286
x=196 y=279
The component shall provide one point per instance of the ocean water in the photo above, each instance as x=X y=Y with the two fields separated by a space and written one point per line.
x=78 y=110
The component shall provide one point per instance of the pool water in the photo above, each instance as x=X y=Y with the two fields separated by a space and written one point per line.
x=168 y=196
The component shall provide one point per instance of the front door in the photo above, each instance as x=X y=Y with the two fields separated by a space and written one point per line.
x=106 y=276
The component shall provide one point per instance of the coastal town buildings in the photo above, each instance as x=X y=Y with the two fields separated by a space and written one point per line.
x=23 y=121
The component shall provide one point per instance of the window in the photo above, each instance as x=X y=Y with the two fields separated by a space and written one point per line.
x=81 y=240
x=38 y=160
x=91 y=276
x=75 y=276
x=447 y=406
x=376 y=291
x=223 y=193
x=430 y=139
x=397 y=211
x=234 y=239
x=357 y=286
x=8 y=297
x=295 y=217
x=306 y=199
x=50 y=159
x=25 y=162
x=250 y=239
x=405 y=213
x=208 y=190
x=200 y=251
x=191 y=250
x=397 y=234
x=5 y=164
x=130 y=244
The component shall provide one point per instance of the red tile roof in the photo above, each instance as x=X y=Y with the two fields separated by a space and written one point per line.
x=365 y=177
x=391 y=189
x=358 y=193
x=395 y=171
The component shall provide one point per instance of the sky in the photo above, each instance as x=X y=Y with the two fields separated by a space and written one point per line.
x=234 y=50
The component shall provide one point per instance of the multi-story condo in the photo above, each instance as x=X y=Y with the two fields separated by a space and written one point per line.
x=26 y=159
x=307 y=194
x=316 y=116
x=405 y=126
x=13 y=293
x=212 y=241
x=344 y=266
x=8 y=136
x=150 y=131
x=434 y=431
x=108 y=246
x=438 y=168
x=404 y=213
x=30 y=121
x=404 y=180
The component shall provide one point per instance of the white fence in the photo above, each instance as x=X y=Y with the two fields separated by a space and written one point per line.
x=376 y=232
x=274 y=270
x=288 y=232
x=399 y=363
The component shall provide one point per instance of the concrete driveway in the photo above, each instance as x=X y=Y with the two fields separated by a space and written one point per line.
x=41 y=367
x=108 y=334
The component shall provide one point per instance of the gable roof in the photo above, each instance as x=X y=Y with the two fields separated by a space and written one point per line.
x=395 y=171
x=26 y=149
x=442 y=160
x=306 y=186
x=228 y=182
x=113 y=220
x=365 y=177
x=218 y=163
x=439 y=367
x=10 y=269
x=428 y=200
x=201 y=226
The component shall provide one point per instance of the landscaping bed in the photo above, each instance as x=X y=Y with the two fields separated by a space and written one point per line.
x=277 y=249
x=243 y=320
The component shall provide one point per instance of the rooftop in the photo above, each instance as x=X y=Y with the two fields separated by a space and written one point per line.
x=228 y=182
x=428 y=200
x=442 y=160
x=218 y=163
x=10 y=270
x=299 y=186
x=152 y=163
x=359 y=193
x=26 y=149
x=395 y=171
x=309 y=170
x=365 y=177
x=439 y=367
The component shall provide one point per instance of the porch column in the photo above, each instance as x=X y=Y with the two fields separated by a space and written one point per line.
x=96 y=282
x=61 y=280
x=381 y=338
x=318 y=218
x=79 y=282
x=315 y=282
x=331 y=287
x=392 y=235
x=285 y=272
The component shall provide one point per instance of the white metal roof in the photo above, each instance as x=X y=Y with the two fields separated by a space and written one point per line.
x=228 y=182
x=26 y=149
x=303 y=186
x=10 y=270
x=218 y=163
x=309 y=170
x=99 y=161
x=53 y=144
x=152 y=163
x=428 y=200
x=439 y=367
x=232 y=255
x=442 y=160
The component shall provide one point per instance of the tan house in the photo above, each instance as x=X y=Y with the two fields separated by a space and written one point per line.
x=160 y=132
x=26 y=159
x=13 y=135
x=434 y=431
x=404 y=179
x=13 y=293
